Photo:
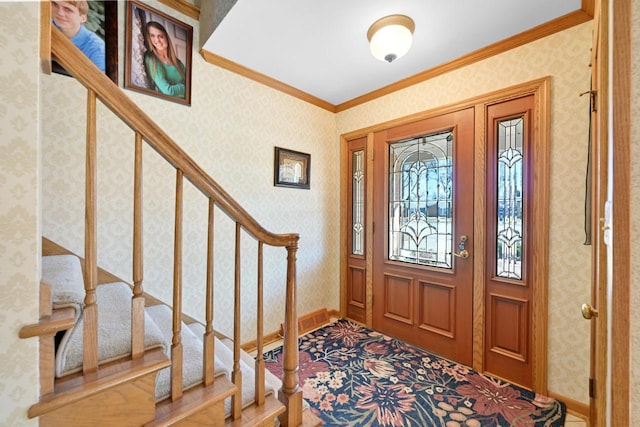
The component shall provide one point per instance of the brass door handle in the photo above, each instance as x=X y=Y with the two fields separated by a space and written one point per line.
x=462 y=254
x=589 y=312
x=462 y=247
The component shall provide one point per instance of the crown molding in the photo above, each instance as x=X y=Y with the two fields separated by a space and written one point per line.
x=184 y=7
x=234 y=67
x=562 y=23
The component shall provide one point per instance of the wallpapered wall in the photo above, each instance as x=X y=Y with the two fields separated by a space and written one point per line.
x=19 y=204
x=565 y=57
x=230 y=130
x=635 y=210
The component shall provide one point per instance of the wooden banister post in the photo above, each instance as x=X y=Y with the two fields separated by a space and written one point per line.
x=176 y=342
x=290 y=393
x=90 y=311
x=137 y=301
x=259 y=364
x=236 y=374
x=209 y=338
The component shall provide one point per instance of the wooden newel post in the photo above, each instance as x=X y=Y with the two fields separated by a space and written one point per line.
x=290 y=393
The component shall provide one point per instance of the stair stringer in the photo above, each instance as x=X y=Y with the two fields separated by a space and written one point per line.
x=121 y=393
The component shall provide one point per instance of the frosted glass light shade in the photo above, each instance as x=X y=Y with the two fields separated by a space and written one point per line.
x=390 y=37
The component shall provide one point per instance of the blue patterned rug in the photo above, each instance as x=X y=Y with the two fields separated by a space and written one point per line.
x=353 y=376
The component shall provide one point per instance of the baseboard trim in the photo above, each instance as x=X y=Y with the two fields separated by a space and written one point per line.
x=574 y=407
x=251 y=346
x=306 y=323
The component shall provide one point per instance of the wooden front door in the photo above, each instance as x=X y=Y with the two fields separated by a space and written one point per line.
x=423 y=233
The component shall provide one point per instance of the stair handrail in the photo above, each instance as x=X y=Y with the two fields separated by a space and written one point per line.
x=66 y=54
x=100 y=87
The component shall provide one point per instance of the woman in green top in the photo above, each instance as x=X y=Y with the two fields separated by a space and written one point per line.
x=162 y=65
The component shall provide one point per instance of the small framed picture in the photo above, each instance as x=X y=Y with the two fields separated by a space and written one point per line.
x=292 y=169
x=93 y=27
x=157 y=54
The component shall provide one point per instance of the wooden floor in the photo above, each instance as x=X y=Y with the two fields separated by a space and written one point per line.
x=573 y=421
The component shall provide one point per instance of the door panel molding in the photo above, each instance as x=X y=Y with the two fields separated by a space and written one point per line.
x=509 y=339
x=445 y=323
x=395 y=300
x=357 y=295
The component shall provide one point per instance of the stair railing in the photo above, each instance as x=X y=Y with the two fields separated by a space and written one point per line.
x=100 y=87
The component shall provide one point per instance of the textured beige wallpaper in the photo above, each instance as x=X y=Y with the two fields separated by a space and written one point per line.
x=635 y=210
x=564 y=57
x=231 y=130
x=19 y=204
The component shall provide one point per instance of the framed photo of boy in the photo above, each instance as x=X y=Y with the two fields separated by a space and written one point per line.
x=157 y=54
x=291 y=169
x=92 y=26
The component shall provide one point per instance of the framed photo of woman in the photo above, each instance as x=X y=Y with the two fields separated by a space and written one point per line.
x=158 y=54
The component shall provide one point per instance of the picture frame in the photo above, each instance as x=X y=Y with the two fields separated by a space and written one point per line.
x=161 y=68
x=102 y=20
x=291 y=169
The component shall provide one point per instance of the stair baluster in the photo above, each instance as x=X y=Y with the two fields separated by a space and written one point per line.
x=137 y=301
x=176 y=345
x=259 y=365
x=236 y=375
x=90 y=312
x=209 y=337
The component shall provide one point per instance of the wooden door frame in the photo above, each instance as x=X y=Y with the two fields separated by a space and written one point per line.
x=599 y=162
x=540 y=88
x=620 y=121
x=614 y=114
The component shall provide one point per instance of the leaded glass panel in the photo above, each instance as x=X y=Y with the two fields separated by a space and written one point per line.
x=421 y=200
x=357 y=222
x=509 y=185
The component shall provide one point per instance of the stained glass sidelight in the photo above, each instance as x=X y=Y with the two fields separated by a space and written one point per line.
x=357 y=222
x=509 y=186
x=421 y=200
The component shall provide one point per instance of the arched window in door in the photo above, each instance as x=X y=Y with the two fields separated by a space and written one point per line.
x=421 y=200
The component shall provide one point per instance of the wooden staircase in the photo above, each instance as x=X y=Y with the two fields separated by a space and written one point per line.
x=122 y=392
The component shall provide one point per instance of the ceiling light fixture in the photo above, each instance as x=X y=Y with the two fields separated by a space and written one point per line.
x=390 y=37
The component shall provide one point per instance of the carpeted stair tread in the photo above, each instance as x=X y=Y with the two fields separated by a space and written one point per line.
x=114 y=331
x=63 y=273
x=270 y=378
x=192 y=366
x=224 y=354
x=273 y=381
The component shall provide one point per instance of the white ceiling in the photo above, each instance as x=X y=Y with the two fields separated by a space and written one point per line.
x=320 y=46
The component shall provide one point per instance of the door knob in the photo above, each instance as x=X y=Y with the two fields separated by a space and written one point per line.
x=462 y=247
x=588 y=312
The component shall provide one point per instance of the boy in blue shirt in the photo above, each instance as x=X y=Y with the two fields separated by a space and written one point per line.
x=68 y=16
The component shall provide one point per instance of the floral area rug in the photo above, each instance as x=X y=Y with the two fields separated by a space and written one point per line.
x=353 y=376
